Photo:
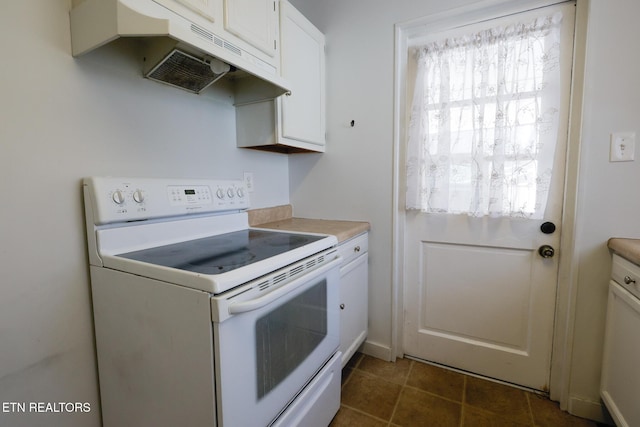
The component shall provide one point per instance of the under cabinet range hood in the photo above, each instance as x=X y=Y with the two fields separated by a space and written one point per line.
x=186 y=49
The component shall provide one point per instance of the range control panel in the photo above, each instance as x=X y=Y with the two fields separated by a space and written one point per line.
x=180 y=195
x=134 y=199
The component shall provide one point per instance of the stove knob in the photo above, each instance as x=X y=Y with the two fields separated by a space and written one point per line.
x=138 y=196
x=118 y=197
x=220 y=193
x=230 y=193
x=240 y=193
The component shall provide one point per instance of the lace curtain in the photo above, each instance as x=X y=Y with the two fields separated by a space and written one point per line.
x=484 y=121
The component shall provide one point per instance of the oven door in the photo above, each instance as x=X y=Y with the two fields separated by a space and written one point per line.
x=273 y=345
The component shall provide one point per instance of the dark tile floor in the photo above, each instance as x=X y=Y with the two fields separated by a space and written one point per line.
x=410 y=393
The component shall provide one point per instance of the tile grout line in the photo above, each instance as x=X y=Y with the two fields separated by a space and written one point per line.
x=404 y=384
x=533 y=422
x=407 y=386
x=464 y=399
x=350 y=375
x=354 y=369
x=360 y=411
x=432 y=394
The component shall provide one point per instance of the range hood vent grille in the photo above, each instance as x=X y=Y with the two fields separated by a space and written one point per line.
x=179 y=69
x=202 y=32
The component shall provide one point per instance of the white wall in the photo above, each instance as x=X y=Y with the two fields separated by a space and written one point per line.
x=63 y=119
x=609 y=200
x=355 y=175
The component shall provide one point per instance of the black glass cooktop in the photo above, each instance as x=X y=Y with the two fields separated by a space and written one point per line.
x=224 y=252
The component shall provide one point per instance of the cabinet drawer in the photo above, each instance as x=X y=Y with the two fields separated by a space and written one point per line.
x=626 y=274
x=350 y=249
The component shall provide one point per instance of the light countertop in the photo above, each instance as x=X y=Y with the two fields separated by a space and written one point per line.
x=626 y=248
x=280 y=218
x=343 y=230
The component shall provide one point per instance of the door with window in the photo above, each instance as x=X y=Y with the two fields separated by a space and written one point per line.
x=485 y=153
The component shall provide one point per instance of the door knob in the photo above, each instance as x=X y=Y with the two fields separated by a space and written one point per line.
x=546 y=251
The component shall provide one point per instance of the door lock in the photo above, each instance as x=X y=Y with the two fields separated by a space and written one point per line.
x=548 y=227
x=546 y=251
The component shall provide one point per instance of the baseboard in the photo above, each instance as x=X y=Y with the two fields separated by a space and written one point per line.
x=376 y=350
x=581 y=407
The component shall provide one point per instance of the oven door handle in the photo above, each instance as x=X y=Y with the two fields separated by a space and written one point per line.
x=254 y=304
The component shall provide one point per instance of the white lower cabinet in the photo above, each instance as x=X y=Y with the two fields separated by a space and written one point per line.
x=354 y=294
x=620 y=382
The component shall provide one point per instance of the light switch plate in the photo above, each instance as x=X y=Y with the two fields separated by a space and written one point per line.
x=623 y=147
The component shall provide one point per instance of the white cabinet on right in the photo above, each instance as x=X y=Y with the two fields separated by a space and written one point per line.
x=354 y=287
x=620 y=382
x=294 y=122
x=302 y=113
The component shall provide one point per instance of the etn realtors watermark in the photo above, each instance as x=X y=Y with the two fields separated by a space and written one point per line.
x=45 y=407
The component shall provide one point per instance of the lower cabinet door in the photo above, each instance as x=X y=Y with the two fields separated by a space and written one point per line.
x=354 y=283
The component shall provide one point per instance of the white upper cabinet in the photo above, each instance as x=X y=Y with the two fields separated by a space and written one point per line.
x=294 y=122
x=302 y=118
x=254 y=21
x=248 y=27
x=203 y=8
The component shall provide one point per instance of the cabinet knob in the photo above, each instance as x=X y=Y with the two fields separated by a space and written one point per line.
x=341 y=306
x=628 y=280
x=356 y=249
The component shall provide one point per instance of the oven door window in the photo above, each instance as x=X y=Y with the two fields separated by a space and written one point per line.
x=286 y=336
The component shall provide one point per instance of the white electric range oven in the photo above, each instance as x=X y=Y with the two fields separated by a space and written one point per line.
x=201 y=320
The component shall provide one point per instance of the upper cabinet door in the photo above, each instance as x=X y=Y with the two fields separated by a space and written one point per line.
x=203 y=8
x=255 y=22
x=303 y=66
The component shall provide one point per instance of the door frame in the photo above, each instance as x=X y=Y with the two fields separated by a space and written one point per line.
x=559 y=385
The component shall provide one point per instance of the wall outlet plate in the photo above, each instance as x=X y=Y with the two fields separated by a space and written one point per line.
x=623 y=147
x=248 y=181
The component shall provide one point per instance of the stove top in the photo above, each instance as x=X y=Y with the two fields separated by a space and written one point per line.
x=189 y=232
x=224 y=252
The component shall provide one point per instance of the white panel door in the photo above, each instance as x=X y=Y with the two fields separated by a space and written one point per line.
x=478 y=294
